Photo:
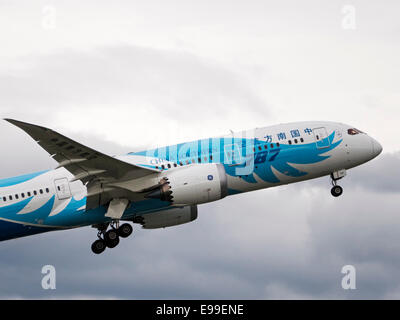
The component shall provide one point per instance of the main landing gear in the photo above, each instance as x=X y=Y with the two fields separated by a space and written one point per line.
x=110 y=238
x=336 y=190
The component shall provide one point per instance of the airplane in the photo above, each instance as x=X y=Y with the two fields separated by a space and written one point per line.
x=162 y=187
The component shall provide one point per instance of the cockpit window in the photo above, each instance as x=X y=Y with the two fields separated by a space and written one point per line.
x=354 y=131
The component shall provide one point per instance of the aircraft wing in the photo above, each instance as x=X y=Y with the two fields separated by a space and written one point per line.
x=84 y=163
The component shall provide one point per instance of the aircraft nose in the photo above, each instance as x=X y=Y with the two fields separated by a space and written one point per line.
x=376 y=148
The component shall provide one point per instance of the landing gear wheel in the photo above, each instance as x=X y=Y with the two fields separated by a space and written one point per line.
x=111 y=238
x=125 y=230
x=112 y=243
x=337 y=191
x=98 y=246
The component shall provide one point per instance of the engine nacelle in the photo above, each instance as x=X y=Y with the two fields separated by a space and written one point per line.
x=167 y=218
x=193 y=184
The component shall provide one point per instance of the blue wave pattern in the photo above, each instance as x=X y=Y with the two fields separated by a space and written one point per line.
x=20 y=179
x=70 y=215
x=295 y=154
x=278 y=157
x=38 y=216
x=74 y=214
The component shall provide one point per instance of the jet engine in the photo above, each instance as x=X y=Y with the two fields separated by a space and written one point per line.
x=193 y=184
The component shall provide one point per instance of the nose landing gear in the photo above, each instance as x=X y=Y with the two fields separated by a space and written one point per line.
x=110 y=238
x=336 y=190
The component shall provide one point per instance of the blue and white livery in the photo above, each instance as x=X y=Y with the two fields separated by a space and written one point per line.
x=162 y=187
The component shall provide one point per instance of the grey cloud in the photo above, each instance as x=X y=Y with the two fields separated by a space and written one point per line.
x=21 y=154
x=256 y=245
x=286 y=242
x=174 y=82
x=209 y=258
x=362 y=230
x=379 y=175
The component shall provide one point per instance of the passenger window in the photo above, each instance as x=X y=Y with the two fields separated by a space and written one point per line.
x=290 y=141
x=35 y=192
x=10 y=197
x=41 y=191
x=278 y=144
x=259 y=148
x=163 y=167
x=29 y=194
x=199 y=160
x=295 y=141
x=265 y=147
x=169 y=166
x=16 y=196
x=23 y=195
x=4 y=199
x=47 y=190
x=272 y=145
x=301 y=140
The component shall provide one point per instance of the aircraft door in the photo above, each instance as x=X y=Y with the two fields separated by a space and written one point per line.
x=321 y=138
x=62 y=188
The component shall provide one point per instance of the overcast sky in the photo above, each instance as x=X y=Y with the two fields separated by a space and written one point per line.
x=130 y=75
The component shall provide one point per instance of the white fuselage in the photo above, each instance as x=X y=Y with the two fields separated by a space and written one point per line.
x=252 y=159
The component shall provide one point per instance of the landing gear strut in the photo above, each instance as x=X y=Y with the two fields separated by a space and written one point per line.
x=337 y=190
x=111 y=237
